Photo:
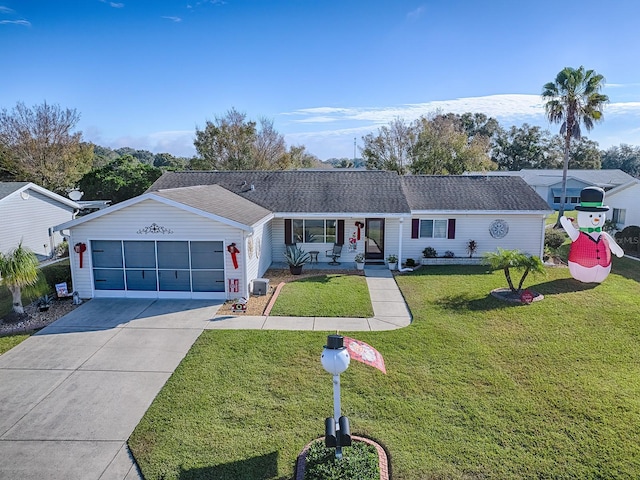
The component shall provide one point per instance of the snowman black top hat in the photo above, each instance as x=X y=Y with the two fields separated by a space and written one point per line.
x=592 y=200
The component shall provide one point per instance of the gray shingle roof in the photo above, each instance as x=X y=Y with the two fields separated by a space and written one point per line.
x=218 y=201
x=332 y=191
x=451 y=193
x=365 y=191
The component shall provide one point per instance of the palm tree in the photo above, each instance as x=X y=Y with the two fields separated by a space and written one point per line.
x=505 y=260
x=18 y=268
x=573 y=99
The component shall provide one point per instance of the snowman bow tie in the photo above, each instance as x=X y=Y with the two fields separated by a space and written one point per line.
x=590 y=229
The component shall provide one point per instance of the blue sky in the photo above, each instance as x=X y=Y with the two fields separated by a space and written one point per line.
x=145 y=74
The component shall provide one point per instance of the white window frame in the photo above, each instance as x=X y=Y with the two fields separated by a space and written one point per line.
x=433 y=228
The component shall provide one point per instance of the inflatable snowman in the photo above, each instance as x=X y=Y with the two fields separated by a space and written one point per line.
x=590 y=252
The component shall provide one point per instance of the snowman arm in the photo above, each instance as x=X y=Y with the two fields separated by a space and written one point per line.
x=572 y=231
x=615 y=248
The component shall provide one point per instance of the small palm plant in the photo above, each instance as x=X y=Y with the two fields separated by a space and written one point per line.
x=18 y=268
x=514 y=259
x=296 y=259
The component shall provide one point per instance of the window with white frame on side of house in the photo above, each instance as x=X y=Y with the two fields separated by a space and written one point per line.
x=314 y=230
x=618 y=216
x=433 y=228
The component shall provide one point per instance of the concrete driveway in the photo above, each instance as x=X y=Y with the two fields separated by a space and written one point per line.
x=71 y=395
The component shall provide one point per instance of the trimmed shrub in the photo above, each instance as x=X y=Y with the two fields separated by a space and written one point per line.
x=554 y=237
x=360 y=461
x=410 y=262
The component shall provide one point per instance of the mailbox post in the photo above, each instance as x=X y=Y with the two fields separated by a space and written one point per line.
x=335 y=360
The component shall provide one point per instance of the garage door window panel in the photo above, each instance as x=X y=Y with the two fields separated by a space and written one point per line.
x=106 y=253
x=108 y=279
x=140 y=254
x=174 y=280
x=173 y=255
x=207 y=255
x=141 y=280
x=208 y=281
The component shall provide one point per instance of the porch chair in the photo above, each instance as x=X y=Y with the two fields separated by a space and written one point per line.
x=334 y=253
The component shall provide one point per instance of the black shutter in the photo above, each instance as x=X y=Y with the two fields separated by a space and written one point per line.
x=287 y=232
x=415 y=228
x=340 y=233
x=451 y=230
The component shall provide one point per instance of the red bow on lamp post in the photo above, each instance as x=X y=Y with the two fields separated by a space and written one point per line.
x=359 y=225
x=233 y=250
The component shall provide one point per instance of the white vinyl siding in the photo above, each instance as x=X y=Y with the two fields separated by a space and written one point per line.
x=525 y=234
x=30 y=217
x=130 y=224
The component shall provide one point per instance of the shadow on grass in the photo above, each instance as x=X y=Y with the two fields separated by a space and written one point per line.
x=318 y=279
x=464 y=301
x=562 y=285
x=256 y=468
x=451 y=270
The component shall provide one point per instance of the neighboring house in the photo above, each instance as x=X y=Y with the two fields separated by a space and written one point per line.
x=28 y=212
x=210 y=234
x=548 y=183
x=623 y=201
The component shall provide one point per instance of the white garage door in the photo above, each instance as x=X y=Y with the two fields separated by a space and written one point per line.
x=158 y=268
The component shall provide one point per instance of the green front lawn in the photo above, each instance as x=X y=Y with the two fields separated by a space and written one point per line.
x=475 y=388
x=7 y=343
x=325 y=296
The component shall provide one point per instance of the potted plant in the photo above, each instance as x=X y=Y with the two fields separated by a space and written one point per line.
x=449 y=254
x=359 y=261
x=472 y=246
x=429 y=252
x=44 y=302
x=392 y=260
x=296 y=258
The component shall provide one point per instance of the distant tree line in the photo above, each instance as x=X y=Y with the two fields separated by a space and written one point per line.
x=41 y=145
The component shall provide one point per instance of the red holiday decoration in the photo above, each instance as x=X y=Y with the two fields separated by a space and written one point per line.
x=80 y=248
x=233 y=250
x=359 y=225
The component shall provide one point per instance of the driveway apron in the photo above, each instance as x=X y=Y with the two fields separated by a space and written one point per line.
x=71 y=395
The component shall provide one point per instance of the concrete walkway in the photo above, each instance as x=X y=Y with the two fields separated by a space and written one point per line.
x=389 y=312
x=71 y=395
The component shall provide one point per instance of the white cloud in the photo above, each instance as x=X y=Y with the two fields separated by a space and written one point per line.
x=15 y=22
x=113 y=4
x=5 y=9
x=417 y=13
x=174 y=19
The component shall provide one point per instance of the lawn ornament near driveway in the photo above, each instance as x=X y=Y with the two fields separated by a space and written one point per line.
x=591 y=247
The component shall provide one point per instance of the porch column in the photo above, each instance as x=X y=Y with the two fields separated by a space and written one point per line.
x=400 y=224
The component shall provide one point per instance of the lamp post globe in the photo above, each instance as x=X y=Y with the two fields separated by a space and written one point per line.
x=335 y=357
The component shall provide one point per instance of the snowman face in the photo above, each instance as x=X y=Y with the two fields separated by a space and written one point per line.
x=590 y=219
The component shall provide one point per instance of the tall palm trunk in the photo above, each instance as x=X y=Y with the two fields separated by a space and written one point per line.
x=565 y=168
x=507 y=274
x=16 y=295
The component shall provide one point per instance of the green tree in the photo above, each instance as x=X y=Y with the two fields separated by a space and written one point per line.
x=625 y=157
x=573 y=99
x=443 y=147
x=19 y=269
x=583 y=153
x=38 y=145
x=391 y=148
x=119 y=180
x=506 y=260
x=226 y=143
x=523 y=147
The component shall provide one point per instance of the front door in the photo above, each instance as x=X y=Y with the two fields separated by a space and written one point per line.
x=374 y=239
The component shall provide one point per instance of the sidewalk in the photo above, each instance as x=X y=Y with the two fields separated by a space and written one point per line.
x=389 y=312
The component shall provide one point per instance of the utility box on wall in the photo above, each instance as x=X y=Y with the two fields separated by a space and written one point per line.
x=260 y=286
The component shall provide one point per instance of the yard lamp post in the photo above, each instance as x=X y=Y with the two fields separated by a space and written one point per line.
x=335 y=360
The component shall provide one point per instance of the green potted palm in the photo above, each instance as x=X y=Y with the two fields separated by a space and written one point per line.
x=296 y=259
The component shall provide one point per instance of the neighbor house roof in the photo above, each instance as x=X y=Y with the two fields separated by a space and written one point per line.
x=606 y=179
x=471 y=193
x=303 y=191
x=9 y=188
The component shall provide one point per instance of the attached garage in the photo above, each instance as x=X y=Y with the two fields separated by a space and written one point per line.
x=193 y=242
x=157 y=266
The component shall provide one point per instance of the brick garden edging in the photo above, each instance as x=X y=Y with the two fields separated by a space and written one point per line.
x=383 y=462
